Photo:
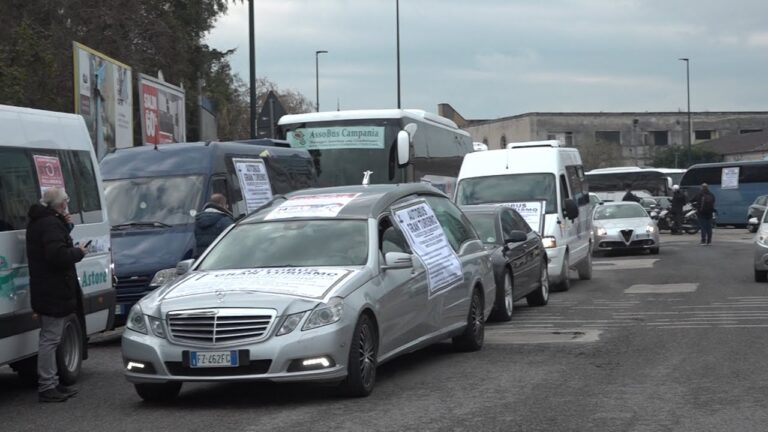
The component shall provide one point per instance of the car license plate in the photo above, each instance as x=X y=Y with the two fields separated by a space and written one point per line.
x=209 y=359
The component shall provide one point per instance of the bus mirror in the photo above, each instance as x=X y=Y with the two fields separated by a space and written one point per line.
x=403 y=148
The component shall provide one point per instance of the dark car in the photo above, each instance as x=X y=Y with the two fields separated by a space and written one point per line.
x=756 y=210
x=518 y=256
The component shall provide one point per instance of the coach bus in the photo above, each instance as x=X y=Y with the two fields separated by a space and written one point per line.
x=396 y=146
x=734 y=184
x=610 y=184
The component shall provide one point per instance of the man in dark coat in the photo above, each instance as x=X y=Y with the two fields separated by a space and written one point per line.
x=678 y=202
x=53 y=282
x=209 y=223
x=705 y=205
x=629 y=196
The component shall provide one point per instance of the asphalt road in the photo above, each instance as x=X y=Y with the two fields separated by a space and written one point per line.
x=675 y=341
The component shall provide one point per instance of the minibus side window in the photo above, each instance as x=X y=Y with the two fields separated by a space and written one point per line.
x=18 y=188
x=86 y=187
x=564 y=194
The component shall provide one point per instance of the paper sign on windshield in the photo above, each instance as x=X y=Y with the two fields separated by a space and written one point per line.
x=427 y=239
x=48 y=172
x=532 y=212
x=312 y=206
x=346 y=137
x=254 y=182
x=730 y=178
x=298 y=281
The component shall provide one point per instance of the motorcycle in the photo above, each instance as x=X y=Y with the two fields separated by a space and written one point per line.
x=690 y=221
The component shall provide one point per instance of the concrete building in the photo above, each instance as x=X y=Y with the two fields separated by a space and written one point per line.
x=610 y=139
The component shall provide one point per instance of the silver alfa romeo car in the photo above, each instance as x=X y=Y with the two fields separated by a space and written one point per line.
x=624 y=226
x=321 y=285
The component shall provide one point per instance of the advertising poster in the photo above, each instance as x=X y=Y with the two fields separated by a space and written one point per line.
x=427 y=239
x=161 y=107
x=319 y=206
x=730 y=178
x=532 y=212
x=347 y=137
x=48 y=172
x=103 y=96
x=254 y=182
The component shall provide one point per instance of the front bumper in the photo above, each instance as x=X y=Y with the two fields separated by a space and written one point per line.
x=616 y=241
x=268 y=360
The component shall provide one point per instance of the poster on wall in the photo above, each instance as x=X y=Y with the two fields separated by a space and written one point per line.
x=730 y=178
x=48 y=172
x=161 y=107
x=254 y=182
x=103 y=96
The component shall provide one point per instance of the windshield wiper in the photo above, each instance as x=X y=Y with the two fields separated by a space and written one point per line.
x=141 y=224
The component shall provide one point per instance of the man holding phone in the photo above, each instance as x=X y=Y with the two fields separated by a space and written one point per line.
x=54 y=287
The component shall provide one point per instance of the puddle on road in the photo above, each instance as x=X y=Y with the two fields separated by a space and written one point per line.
x=534 y=336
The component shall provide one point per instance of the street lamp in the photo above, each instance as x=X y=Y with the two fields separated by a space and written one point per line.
x=317 y=79
x=688 y=93
x=252 y=63
x=397 y=32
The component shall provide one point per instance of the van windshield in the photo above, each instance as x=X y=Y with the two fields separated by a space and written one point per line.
x=509 y=188
x=155 y=201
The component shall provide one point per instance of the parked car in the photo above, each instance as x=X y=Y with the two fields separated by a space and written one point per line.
x=518 y=256
x=320 y=285
x=761 y=247
x=624 y=226
x=756 y=210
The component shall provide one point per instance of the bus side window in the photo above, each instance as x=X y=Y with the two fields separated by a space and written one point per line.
x=219 y=185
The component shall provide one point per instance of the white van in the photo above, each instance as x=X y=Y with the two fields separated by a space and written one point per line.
x=38 y=150
x=546 y=184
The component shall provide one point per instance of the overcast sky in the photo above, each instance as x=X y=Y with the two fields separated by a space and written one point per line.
x=495 y=58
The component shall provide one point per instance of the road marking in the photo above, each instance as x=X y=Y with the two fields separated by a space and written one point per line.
x=661 y=288
x=526 y=336
x=624 y=264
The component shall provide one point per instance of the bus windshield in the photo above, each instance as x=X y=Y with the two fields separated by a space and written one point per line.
x=343 y=150
x=507 y=189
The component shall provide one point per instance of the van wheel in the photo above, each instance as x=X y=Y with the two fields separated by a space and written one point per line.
x=565 y=281
x=473 y=336
x=361 y=364
x=585 y=266
x=540 y=297
x=158 y=392
x=505 y=302
x=69 y=354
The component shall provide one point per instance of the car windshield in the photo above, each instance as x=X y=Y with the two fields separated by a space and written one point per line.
x=619 y=212
x=509 y=188
x=296 y=243
x=484 y=225
x=153 y=200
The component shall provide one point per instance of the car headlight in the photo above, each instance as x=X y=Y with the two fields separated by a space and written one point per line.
x=650 y=229
x=156 y=325
x=549 y=242
x=164 y=276
x=136 y=321
x=290 y=323
x=325 y=314
x=602 y=231
x=762 y=238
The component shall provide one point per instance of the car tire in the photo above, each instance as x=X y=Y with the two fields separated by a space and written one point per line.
x=69 y=354
x=540 y=297
x=473 y=336
x=158 y=392
x=585 y=266
x=505 y=302
x=752 y=228
x=565 y=281
x=761 y=275
x=362 y=361
x=654 y=251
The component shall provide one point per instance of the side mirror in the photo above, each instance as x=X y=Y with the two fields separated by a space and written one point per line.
x=183 y=266
x=753 y=221
x=516 y=237
x=397 y=260
x=571 y=209
x=403 y=148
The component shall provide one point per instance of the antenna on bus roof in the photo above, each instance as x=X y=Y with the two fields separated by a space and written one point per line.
x=367 y=177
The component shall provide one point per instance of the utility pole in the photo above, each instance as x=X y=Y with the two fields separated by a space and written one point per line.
x=688 y=93
x=252 y=58
x=317 y=79
x=397 y=31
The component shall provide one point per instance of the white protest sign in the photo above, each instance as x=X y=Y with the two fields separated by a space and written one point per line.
x=531 y=211
x=427 y=240
x=314 y=206
x=730 y=178
x=254 y=182
x=298 y=281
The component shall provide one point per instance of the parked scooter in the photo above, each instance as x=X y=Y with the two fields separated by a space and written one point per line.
x=690 y=220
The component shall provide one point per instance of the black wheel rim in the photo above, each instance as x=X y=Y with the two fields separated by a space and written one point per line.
x=367 y=353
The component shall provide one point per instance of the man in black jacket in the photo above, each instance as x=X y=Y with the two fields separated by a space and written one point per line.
x=629 y=196
x=678 y=202
x=705 y=205
x=209 y=223
x=53 y=284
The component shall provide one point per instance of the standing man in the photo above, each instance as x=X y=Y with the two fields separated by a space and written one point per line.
x=629 y=196
x=678 y=202
x=54 y=287
x=705 y=204
x=209 y=223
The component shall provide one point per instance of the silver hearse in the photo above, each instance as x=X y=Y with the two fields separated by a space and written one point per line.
x=321 y=285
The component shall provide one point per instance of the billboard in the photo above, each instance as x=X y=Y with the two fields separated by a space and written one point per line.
x=103 y=96
x=161 y=106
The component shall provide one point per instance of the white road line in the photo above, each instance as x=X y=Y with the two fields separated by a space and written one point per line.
x=662 y=288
